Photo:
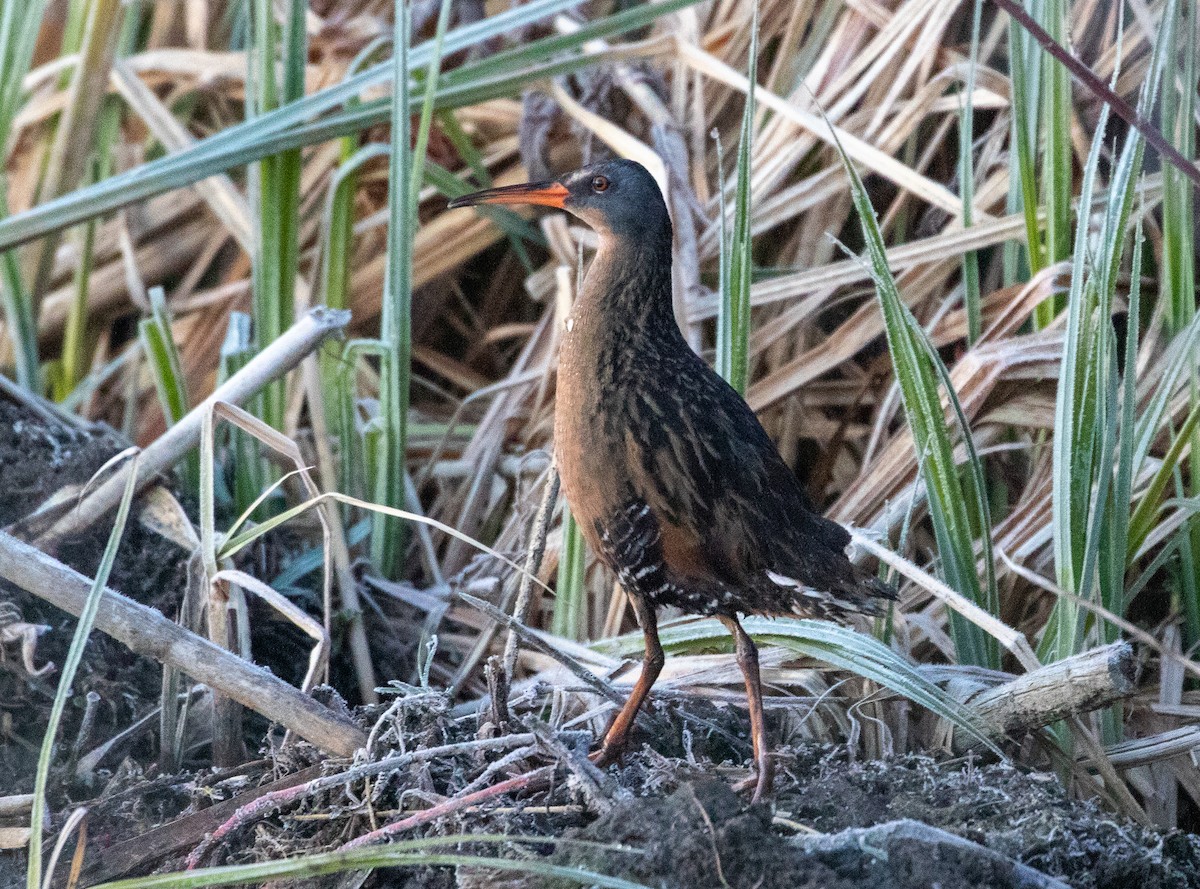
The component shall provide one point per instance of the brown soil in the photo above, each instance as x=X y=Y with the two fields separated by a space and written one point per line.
x=1025 y=817
x=37 y=459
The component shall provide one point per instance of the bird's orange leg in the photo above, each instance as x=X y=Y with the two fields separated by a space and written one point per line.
x=652 y=664
x=747 y=658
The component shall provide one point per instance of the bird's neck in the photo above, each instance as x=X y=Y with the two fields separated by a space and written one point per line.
x=627 y=292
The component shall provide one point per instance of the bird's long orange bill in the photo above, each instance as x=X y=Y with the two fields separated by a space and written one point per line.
x=547 y=194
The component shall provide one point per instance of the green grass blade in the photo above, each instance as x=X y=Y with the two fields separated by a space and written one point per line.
x=389 y=464
x=516 y=227
x=1075 y=429
x=1025 y=74
x=83 y=629
x=1177 y=107
x=432 y=73
x=1114 y=556
x=162 y=358
x=277 y=178
x=733 y=319
x=337 y=377
x=439 y=177
x=73 y=364
x=1085 y=428
x=74 y=361
x=1180 y=358
x=249 y=477
x=1056 y=153
x=1143 y=519
x=570 y=592
x=1177 y=282
x=918 y=369
x=155 y=334
x=19 y=26
x=725 y=309
x=424 y=852
x=76 y=127
x=339 y=220
x=17 y=303
x=405 y=177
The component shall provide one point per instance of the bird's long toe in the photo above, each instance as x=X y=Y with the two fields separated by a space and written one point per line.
x=758 y=784
x=607 y=754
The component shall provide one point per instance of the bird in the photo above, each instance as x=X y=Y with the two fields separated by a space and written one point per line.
x=667 y=471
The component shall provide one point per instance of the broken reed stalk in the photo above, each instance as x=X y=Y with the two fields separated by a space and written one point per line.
x=533 y=563
x=281 y=356
x=1079 y=684
x=147 y=632
x=339 y=548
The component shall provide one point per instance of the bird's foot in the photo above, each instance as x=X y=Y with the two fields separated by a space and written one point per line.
x=759 y=783
x=606 y=755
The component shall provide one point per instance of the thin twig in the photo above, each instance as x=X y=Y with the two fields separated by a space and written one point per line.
x=450 y=806
x=597 y=786
x=505 y=762
x=1101 y=90
x=533 y=563
x=339 y=549
x=530 y=638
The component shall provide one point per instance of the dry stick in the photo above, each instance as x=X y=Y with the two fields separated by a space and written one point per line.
x=1078 y=684
x=48 y=412
x=597 y=787
x=1113 y=783
x=485 y=638
x=360 y=649
x=147 y=632
x=1101 y=90
x=168 y=449
x=277 y=799
x=533 y=563
x=502 y=764
x=1145 y=751
x=140 y=852
x=450 y=806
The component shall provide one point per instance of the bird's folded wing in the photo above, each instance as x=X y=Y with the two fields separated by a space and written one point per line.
x=727 y=506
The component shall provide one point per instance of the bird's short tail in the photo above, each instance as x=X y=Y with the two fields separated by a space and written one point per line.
x=868 y=592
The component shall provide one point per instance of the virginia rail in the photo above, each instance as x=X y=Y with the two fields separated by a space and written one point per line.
x=669 y=474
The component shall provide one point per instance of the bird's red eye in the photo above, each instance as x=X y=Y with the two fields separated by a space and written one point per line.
x=599 y=183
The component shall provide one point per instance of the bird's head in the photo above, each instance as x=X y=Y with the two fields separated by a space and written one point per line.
x=616 y=198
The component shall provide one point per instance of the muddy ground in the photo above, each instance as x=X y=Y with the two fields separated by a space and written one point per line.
x=663 y=819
